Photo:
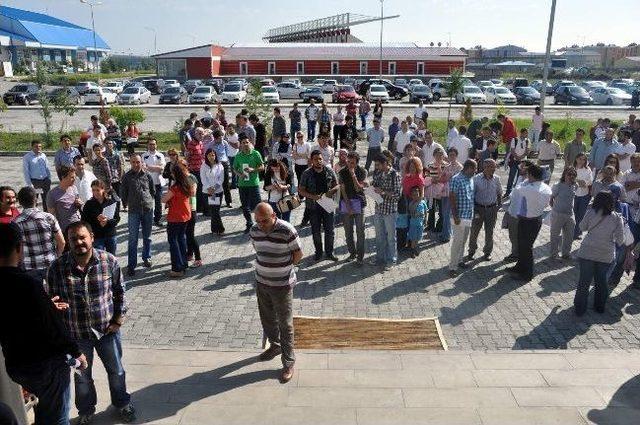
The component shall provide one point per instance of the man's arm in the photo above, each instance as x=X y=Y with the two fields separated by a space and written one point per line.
x=454 y=207
x=119 y=299
x=296 y=256
x=60 y=243
x=124 y=190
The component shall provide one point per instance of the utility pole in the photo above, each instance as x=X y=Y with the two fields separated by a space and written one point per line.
x=381 y=28
x=547 y=56
x=93 y=28
x=155 y=39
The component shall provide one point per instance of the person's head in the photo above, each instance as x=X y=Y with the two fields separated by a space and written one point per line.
x=152 y=145
x=489 y=166
x=524 y=167
x=486 y=132
x=98 y=189
x=206 y=108
x=172 y=154
x=395 y=120
x=415 y=194
x=217 y=135
x=342 y=156
x=136 y=163
x=491 y=145
x=65 y=141
x=632 y=118
x=276 y=111
x=635 y=162
x=421 y=125
x=452 y=154
x=193 y=116
x=352 y=160
x=7 y=198
x=428 y=137
x=580 y=161
x=188 y=124
x=245 y=143
x=579 y=134
x=462 y=130
x=323 y=139
x=549 y=136
x=451 y=124
x=109 y=145
x=376 y=123
x=27 y=197
x=603 y=203
x=231 y=129
x=316 y=160
x=349 y=120
x=253 y=119
x=636 y=124
x=414 y=166
x=609 y=173
x=36 y=146
x=80 y=236
x=382 y=163
x=97 y=130
x=67 y=175
x=94 y=119
x=524 y=133
x=211 y=157
x=421 y=103
x=312 y=101
x=625 y=136
x=438 y=154
x=78 y=162
x=10 y=244
x=606 y=122
x=538 y=110
x=265 y=217
x=299 y=137
x=98 y=150
x=405 y=126
x=323 y=106
x=569 y=175
x=535 y=172
x=409 y=150
x=612 y=159
x=277 y=168
x=609 y=133
x=295 y=105
x=180 y=173
x=469 y=167
x=286 y=139
x=501 y=117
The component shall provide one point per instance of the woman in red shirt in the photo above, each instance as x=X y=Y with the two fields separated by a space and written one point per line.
x=179 y=214
x=131 y=136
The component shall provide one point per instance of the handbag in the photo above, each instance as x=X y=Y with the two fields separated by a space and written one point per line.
x=288 y=203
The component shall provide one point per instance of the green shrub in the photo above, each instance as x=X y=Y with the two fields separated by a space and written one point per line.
x=124 y=116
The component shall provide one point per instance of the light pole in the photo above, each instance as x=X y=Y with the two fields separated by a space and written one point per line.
x=93 y=28
x=381 y=28
x=547 y=56
x=155 y=39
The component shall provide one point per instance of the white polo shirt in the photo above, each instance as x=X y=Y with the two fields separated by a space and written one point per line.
x=155 y=159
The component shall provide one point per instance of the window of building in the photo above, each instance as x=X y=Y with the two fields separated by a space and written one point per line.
x=364 y=68
x=420 y=68
x=300 y=68
x=172 y=68
x=335 y=68
x=271 y=68
x=244 y=69
x=392 y=68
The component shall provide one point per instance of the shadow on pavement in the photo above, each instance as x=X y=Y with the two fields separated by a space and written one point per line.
x=624 y=407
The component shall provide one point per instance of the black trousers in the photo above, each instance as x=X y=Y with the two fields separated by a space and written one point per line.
x=226 y=183
x=528 y=229
x=45 y=185
x=337 y=129
x=192 y=244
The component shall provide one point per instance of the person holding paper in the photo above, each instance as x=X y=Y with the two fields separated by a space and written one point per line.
x=352 y=183
x=212 y=177
x=318 y=182
x=277 y=183
x=247 y=165
x=461 y=196
x=102 y=212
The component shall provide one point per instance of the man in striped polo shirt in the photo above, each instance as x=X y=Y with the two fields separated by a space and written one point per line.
x=278 y=250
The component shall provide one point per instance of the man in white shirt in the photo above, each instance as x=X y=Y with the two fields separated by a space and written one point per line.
x=324 y=146
x=530 y=198
x=84 y=178
x=420 y=111
x=402 y=139
x=625 y=150
x=536 y=127
x=154 y=162
x=375 y=137
x=426 y=154
x=452 y=133
x=518 y=150
x=631 y=182
x=462 y=144
x=549 y=150
x=94 y=122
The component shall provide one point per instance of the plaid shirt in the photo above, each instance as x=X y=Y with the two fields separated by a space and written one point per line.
x=38 y=231
x=95 y=295
x=462 y=186
x=390 y=183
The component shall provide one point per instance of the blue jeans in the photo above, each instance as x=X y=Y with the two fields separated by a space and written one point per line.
x=107 y=243
x=385 y=226
x=363 y=120
x=249 y=199
x=580 y=205
x=109 y=349
x=445 y=207
x=284 y=216
x=591 y=271
x=311 y=130
x=137 y=219
x=177 y=237
x=50 y=381
x=513 y=173
x=294 y=128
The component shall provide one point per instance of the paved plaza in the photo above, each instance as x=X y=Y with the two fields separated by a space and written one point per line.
x=214 y=307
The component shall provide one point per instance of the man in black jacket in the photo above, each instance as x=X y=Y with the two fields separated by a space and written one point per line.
x=35 y=344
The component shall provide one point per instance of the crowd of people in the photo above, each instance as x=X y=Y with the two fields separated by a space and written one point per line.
x=448 y=191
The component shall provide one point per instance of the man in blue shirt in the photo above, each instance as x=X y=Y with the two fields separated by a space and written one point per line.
x=461 y=197
x=36 y=171
x=602 y=148
x=393 y=130
x=65 y=155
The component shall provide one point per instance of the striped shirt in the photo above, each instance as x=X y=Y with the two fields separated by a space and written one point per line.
x=38 y=238
x=274 y=254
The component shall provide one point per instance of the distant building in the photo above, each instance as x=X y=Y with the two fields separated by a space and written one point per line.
x=579 y=57
x=610 y=54
x=27 y=37
x=503 y=52
x=631 y=63
x=309 y=59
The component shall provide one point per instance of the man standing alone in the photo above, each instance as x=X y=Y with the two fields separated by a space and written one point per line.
x=36 y=171
x=278 y=250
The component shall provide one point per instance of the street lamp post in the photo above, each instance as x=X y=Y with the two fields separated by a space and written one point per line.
x=93 y=28
x=155 y=39
x=547 y=56
x=381 y=28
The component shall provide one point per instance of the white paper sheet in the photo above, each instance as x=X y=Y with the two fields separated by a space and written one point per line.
x=328 y=204
x=215 y=200
x=109 y=211
x=370 y=192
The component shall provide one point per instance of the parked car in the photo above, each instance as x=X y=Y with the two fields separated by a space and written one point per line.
x=217 y=84
x=72 y=95
x=415 y=82
x=329 y=85
x=270 y=94
x=628 y=81
x=289 y=90
x=497 y=82
x=100 y=96
x=21 y=94
x=439 y=90
x=562 y=83
x=471 y=93
x=484 y=84
x=234 y=92
x=627 y=88
x=116 y=86
x=499 y=95
x=572 y=95
x=420 y=92
x=133 y=84
x=537 y=84
x=377 y=92
x=350 y=82
x=267 y=82
x=176 y=95
x=395 y=92
x=243 y=82
x=190 y=85
x=84 y=86
x=610 y=96
x=171 y=83
x=314 y=93
x=432 y=82
x=592 y=85
x=401 y=82
x=344 y=93
x=318 y=82
x=204 y=94
x=295 y=81
x=358 y=83
x=518 y=82
x=526 y=95
x=155 y=86
x=134 y=95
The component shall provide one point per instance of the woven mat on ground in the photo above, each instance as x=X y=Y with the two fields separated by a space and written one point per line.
x=368 y=334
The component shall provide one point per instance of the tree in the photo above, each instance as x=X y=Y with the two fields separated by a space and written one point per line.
x=257 y=104
x=46 y=109
x=454 y=86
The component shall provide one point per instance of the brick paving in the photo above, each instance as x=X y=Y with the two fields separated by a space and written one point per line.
x=214 y=306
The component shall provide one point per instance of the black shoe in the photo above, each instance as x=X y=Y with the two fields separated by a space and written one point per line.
x=470 y=256
x=158 y=224
x=332 y=257
x=463 y=265
x=510 y=259
x=147 y=263
x=512 y=270
x=229 y=206
x=453 y=273
x=318 y=257
x=304 y=223
x=352 y=257
x=270 y=353
x=131 y=272
x=247 y=229
x=128 y=414
x=486 y=257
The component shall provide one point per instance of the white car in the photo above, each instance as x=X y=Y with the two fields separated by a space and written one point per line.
x=484 y=84
x=116 y=86
x=241 y=81
x=329 y=85
x=432 y=82
x=100 y=96
x=592 y=85
x=471 y=93
x=171 y=83
x=499 y=95
x=267 y=82
x=610 y=96
x=440 y=90
x=270 y=94
x=318 y=82
x=289 y=90
x=204 y=94
x=134 y=96
x=377 y=92
x=233 y=93
x=497 y=82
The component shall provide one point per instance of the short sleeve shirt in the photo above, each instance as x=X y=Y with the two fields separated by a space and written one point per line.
x=274 y=252
x=253 y=160
x=62 y=203
x=462 y=186
x=345 y=178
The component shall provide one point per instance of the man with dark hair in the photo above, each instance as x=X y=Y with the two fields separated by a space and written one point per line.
x=487 y=191
x=349 y=134
x=529 y=199
x=461 y=197
x=352 y=180
x=37 y=361
x=386 y=183
x=63 y=200
x=90 y=282
x=8 y=210
x=311 y=113
x=36 y=171
x=279 y=126
x=295 y=117
x=247 y=165
x=66 y=153
x=508 y=130
x=318 y=181
x=154 y=162
x=259 y=140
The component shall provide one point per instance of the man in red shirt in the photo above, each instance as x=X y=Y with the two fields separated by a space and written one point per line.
x=509 y=130
x=8 y=210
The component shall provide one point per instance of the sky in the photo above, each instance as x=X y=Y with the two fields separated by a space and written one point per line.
x=467 y=23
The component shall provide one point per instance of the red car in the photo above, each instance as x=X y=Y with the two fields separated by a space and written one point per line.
x=343 y=94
